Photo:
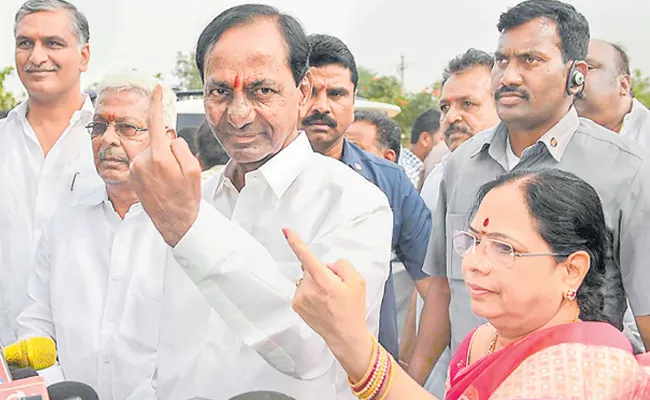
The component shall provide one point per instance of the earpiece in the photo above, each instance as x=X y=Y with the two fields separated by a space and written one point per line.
x=575 y=79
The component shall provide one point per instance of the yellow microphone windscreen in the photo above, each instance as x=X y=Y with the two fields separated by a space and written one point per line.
x=37 y=352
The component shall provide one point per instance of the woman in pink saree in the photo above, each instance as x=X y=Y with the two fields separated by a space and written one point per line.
x=534 y=264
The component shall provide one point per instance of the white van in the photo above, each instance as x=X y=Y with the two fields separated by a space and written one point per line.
x=191 y=112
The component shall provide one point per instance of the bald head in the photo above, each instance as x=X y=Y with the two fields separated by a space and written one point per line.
x=608 y=91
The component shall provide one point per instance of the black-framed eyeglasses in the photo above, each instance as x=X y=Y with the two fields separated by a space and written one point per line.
x=497 y=252
x=123 y=129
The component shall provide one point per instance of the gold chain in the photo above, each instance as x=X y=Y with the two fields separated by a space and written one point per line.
x=495 y=338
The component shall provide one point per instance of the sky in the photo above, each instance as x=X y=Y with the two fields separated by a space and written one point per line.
x=147 y=34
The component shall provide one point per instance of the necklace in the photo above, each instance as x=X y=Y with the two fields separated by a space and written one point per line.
x=495 y=338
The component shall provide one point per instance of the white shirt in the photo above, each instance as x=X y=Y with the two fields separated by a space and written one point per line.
x=636 y=124
x=237 y=258
x=33 y=187
x=97 y=289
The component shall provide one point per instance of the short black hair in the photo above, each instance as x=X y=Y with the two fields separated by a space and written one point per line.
x=326 y=50
x=469 y=59
x=427 y=121
x=572 y=26
x=209 y=150
x=389 y=134
x=189 y=135
x=291 y=29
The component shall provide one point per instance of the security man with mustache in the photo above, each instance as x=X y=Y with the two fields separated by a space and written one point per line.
x=330 y=113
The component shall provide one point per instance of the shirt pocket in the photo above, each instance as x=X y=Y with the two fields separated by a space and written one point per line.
x=455 y=222
x=140 y=323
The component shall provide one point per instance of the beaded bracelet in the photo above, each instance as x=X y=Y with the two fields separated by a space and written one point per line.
x=376 y=383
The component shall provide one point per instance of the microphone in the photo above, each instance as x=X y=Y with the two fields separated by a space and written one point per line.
x=262 y=395
x=69 y=390
x=37 y=352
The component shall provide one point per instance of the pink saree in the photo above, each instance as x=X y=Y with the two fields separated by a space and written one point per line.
x=586 y=360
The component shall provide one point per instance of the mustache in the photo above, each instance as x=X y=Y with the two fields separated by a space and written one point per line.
x=318 y=117
x=112 y=154
x=457 y=127
x=511 y=89
x=33 y=68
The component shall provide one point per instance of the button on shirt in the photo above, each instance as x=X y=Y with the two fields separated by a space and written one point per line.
x=96 y=289
x=236 y=262
x=33 y=187
x=411 y=228
x=412 y=166
x=611 y=164
x=636 y=124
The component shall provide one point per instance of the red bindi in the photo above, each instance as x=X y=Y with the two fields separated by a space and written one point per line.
x=110 y=117
x=486 y=222
x=237 y=82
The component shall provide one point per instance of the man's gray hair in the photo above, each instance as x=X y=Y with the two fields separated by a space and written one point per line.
x=143 y=84
x=79 y=22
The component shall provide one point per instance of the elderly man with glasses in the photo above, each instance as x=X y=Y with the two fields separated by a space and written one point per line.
x=96 y=287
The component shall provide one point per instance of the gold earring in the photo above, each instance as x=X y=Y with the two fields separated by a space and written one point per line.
x=571 y=294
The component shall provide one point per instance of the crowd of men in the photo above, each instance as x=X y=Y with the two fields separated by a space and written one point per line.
x=158 y=264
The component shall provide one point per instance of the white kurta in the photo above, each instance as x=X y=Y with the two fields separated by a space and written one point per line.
x=33 y=188
x=97 y=290
x=228 y=326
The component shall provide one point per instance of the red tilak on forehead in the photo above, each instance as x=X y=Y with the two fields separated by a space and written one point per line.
x=237 y=82
x=486 y=222
x=110 y=117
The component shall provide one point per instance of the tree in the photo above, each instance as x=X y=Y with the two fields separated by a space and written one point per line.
x=641 y=86
x=186 y=71
x=387 y=89
x=7 y=99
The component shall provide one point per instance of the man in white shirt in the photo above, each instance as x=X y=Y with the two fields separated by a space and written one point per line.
x=608 y=99
x=234 y=257
x=45 y=157
x=98 y=273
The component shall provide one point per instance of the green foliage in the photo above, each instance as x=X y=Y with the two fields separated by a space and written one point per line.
x=387 y=89
x=186 y=72
x=641 y=86
x=7 y=99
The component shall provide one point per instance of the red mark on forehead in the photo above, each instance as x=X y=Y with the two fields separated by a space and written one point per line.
x=237 y=83
x=486 y=222
x=110 y=117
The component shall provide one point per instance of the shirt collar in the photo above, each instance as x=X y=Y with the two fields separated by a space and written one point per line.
x=281 y=170
x=350 y=157
x=87 y=110
x=637 y=108
x=409 y=156
x=555 y=139
x=94 y=197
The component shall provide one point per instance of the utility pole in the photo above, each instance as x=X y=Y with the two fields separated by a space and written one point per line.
x=401 y=68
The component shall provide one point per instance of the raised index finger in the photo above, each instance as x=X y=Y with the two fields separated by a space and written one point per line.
x=156 y=128
x=307 y=258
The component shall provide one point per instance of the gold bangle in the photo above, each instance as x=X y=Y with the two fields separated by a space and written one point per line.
x=356 y=386
x=373 y=386
x=391 y=375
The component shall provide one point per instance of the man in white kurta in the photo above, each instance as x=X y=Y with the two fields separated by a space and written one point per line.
x=45 y=156
x=233 y=255
x=97 y=283
x=246 y=271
